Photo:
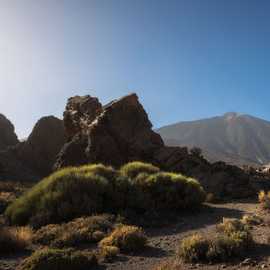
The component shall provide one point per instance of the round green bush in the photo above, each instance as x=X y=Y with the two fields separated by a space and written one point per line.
x=133 y=169
x=67 y=194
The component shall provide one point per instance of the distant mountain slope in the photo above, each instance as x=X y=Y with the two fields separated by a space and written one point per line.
x=234 y=138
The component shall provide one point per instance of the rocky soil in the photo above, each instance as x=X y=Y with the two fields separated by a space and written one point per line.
x=163 y=242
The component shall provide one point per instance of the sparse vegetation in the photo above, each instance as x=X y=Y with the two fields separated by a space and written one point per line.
x=252 y=220
x=194 y=248
x=14 y=239
x=126 y=238
x=86 y=190
x=74 y=233
x=232 y=240
x=55 y=259
x=264 y=199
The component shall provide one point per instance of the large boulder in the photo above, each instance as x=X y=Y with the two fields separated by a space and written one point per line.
x=8 y=136
x=120 y=132
x=79 y=113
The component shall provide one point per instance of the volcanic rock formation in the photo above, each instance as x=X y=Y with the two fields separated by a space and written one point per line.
x=8 y=136
x=39 y=151
x=35 y=157
x=120 y=132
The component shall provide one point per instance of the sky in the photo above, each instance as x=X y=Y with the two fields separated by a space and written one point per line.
x=186 y=59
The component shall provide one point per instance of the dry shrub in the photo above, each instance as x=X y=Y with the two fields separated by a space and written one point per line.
x=264 y=199
x=231 y=240
x=252 y=220
x=14 y=239
x=74 y=233
x=108 y=253
x=230 y=225
x=194 y=248
x=55 y=259
x=126 y=238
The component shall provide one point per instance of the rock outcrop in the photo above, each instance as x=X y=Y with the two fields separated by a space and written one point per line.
x=120 y=132
x=34 y=158
x=8 y=136
x=39 y=151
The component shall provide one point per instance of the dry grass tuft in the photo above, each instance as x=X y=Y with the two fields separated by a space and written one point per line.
x=126 y=238
x=55 y=259
x=108 y=253
x=74 y=233
x=231 y=240
x=13 y=239
x=252 y=220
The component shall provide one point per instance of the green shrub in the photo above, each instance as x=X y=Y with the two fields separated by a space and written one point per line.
x=67 y=194
x=168 y=191
x=92 y=189
x=232 y=240
x=55 y=259
x=133 y=169
x=74 y=233
x=126 y=238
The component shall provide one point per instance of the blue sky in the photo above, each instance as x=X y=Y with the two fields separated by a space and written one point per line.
x=186 y=59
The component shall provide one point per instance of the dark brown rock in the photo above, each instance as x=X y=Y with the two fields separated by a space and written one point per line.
x=121 y=132
x=79 y=113
x=35 y=157
x=8 y=136
x=39 y=151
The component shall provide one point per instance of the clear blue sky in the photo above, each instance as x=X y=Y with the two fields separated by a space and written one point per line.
x=186 y=59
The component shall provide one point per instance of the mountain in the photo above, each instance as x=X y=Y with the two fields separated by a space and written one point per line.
x=234 y=138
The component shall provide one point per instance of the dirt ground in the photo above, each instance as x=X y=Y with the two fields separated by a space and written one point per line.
x=163 y=242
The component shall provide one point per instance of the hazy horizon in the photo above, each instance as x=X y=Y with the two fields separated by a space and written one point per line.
x=186 y=60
